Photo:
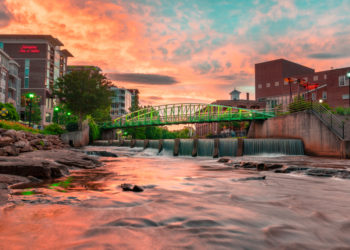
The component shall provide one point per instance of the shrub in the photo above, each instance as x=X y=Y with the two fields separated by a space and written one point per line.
x=54 y=129
x=299 y=104
x=94 y=131
x=12 y=114
x=18 y=126
x=340 y=110
x=72 y=126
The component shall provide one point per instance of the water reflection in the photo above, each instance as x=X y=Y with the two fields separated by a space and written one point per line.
x=194 y=203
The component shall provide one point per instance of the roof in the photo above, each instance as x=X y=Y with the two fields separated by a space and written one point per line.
x=235 y=91
x=49 y=38
x=286 y=61
x=66 y=53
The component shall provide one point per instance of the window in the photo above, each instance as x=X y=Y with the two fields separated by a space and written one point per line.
x=1 y=45
x=268 y=85
x=345 y=97
x=259 y=86
x=343 y=81
x=315 y=78
x=26 y=82
x=325 y=76
x=324 y=95
x=277 y=84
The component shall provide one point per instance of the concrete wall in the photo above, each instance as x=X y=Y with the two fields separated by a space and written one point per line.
x=317 y=138
x=77 y=138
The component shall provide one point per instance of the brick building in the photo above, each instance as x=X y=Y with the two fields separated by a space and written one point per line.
x=214 y=128
x=270 y=86
x=41 y=62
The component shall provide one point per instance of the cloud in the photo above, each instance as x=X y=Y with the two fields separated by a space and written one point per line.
x=327 y=55
x=152 y=79
x=5 y=15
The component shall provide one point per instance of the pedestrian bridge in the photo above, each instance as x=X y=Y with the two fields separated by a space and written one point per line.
x=185 y=113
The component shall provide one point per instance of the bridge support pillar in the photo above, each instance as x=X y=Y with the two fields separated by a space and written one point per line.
x=195 y=148
x=216 y=148
x=176 y=146
x=109 y=134
x=240 y=147
x=160 y=145
x=145 y=144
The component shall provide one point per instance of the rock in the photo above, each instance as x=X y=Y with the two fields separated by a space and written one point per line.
x=3 y=152
x=129 y=187
x=252 y=178
x=11 y=133
x=6 y=140
x=101 y=153
x=33 y=179
x=11 y=150
x=290 y=169
x=322 y=172
x=260 y=166
x=24 y=146
x=224 y=160
x=273 y=166
x=126 y=187
x=248 y=165
x=137 y=189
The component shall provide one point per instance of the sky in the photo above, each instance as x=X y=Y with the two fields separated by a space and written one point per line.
x=187 y=51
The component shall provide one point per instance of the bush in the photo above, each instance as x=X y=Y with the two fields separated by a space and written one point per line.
x=54 y=129
x=94 y=131
x=72 y=126
x=299 y=104
x=340 y=110
x=12 y=114
x=18 y=126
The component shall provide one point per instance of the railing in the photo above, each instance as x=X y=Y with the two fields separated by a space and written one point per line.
x=329 y=119
x=326 y=116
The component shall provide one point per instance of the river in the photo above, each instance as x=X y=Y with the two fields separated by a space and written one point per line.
x=187 y=203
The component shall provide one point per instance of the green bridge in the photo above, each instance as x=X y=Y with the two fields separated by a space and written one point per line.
x=186 y=113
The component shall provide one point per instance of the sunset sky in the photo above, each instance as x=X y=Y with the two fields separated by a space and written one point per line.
x=187 y=50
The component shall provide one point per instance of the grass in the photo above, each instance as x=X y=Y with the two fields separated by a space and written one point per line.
x=18 y=126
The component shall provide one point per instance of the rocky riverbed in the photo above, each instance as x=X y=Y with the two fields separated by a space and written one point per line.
x=27 y=158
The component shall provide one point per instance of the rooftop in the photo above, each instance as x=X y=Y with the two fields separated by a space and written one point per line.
x=49 y=38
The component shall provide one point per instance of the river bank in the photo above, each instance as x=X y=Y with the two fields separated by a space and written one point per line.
x=31 y=158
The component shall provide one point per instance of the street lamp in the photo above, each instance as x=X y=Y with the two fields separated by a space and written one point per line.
x=30 y=96
x=348 y=76
x=56 y=109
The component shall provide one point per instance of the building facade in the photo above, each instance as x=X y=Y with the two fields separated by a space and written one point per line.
x=134 y=95
x=41 y=62
x=10 y=88
x=270 y=84
x=121 y=102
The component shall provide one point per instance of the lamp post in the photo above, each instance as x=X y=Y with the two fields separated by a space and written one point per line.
x=348 y=76
x=56 y=109
x=30 y=96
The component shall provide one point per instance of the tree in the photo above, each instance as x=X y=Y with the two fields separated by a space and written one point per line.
x=32 y=108
x=83 y=92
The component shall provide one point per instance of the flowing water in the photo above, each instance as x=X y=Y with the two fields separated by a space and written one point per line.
x=187 y=203
x=283 y=146
x=186 y=146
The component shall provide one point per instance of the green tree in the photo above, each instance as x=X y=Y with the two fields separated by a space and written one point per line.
x=83 y=92
x=12 y=114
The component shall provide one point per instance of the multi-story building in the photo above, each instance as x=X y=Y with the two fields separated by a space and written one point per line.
x=270 y=85
x=134 y=95
x=121 y=102
x=9 y=81
x=41 y=62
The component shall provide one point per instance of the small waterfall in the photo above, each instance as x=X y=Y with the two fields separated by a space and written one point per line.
x=281 y=146
x=139 y=143
x=186 y=147
x=205 y=147
x=153 y=144
x=228 y=147
x=168 y=145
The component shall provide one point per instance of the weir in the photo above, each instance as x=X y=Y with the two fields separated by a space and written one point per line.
x=223 y=147
x=282 y=146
